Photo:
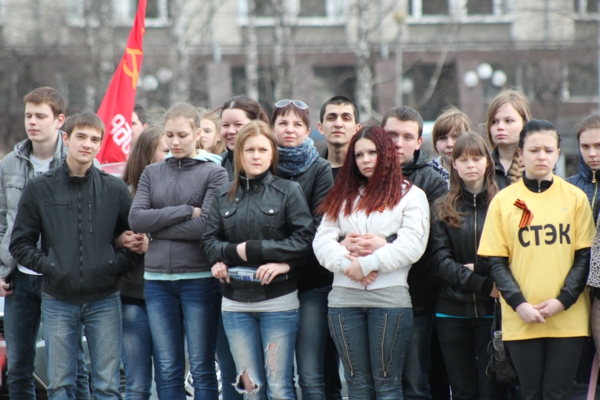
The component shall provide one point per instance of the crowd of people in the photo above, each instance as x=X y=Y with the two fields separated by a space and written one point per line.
x=230 y=238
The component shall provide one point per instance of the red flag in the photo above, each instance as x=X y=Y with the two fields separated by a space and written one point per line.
x=118 y=102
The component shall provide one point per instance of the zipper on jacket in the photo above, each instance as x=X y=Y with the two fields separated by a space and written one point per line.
x=595 y=182
x=539 y=187
x=475 y=236
x=90 y=214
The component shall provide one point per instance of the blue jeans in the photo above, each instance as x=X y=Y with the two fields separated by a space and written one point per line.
x=226 y=364
x=136 y=353
x=101 y=321
x=22 y=314
x=372 y=344
x=418 y=360
x=262 y=345
x=171 y=305
x=310 y=345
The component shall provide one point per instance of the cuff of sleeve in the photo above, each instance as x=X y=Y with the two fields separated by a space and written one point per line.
x=369 y=264
x=481 y=268
x=566 y=300
x=516 y=300
x=344 y=264
x=233 y=256
x=254 y=251
x=479 y=284
x=191 y=213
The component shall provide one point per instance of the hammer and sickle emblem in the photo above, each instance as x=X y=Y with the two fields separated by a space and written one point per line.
x=135 y=73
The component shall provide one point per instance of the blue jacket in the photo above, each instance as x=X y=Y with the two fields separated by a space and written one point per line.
x=587 y=180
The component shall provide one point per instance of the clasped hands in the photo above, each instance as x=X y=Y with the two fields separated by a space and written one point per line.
x=361 y=245
x=538 y=313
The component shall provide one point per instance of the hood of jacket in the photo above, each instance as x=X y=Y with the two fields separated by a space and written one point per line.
x=418 y=161
x=202 y=155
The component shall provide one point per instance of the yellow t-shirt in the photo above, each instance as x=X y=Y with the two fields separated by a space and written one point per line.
x=540 y=256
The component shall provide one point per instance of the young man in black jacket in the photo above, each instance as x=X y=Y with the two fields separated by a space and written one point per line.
x=405 y=126
x=78 y=211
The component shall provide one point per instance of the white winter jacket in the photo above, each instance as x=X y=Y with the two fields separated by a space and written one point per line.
x=409 y=220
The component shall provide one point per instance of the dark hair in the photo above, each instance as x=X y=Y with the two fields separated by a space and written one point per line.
x=339 y=101
x=252 y=109
x=537 y=125
x=404 y=113
x=47 y=95
x=590 y=122
x=252 y=128
x=451 y=119
x=383 y=190
x=141 y=113
x=304 y=115
x=142 y=155
x=84 y=119
x=470 y=144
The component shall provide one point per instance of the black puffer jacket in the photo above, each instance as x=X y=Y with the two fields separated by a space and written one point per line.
x=271 y=215
x=421 y=277
x=316 y=182
x=462 y=292
x=78 y=219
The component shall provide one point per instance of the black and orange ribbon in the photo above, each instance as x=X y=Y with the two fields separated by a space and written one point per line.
x=527 y=216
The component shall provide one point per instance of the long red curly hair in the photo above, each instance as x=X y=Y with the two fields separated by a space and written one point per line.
x=383 y=190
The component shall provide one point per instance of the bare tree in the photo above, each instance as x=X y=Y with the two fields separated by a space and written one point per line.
x=251 y=53
x=98 y=33
x=364 y=75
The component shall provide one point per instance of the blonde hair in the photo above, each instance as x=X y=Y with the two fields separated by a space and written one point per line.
x=186 y=111
x=214 y=117
x=451 y=119
x=252 y=128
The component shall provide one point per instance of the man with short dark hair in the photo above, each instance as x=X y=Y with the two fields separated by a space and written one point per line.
x=405 y=127
x=139 y=122
x=42 y=150
x=338 y=122
x=78 y=211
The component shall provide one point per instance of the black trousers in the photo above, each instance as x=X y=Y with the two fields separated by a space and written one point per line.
x=546 y=367
x=464 y=343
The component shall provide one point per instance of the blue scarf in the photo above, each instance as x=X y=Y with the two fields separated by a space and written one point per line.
x=294 y=161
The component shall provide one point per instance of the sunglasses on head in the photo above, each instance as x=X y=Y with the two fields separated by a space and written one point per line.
x=298 y=103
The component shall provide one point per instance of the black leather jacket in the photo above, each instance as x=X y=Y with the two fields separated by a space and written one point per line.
x=421 y=277
x=271 y=215
x=462 y=292
x=574 y=282
x=316 y=182
x=78 y=219
x=227 y=162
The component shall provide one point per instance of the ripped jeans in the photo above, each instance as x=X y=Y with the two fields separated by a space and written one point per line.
x=372 y=345
x=262 y=345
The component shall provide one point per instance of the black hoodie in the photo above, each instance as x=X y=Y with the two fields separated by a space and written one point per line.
x=421 y=278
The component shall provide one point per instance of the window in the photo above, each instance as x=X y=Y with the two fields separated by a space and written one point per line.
x=459 y=8
x=582 y=81
x=480 y=7
x=157 y=12
x=309 y=12
x=586 y=6
x=313 y=8
x=80 y=12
